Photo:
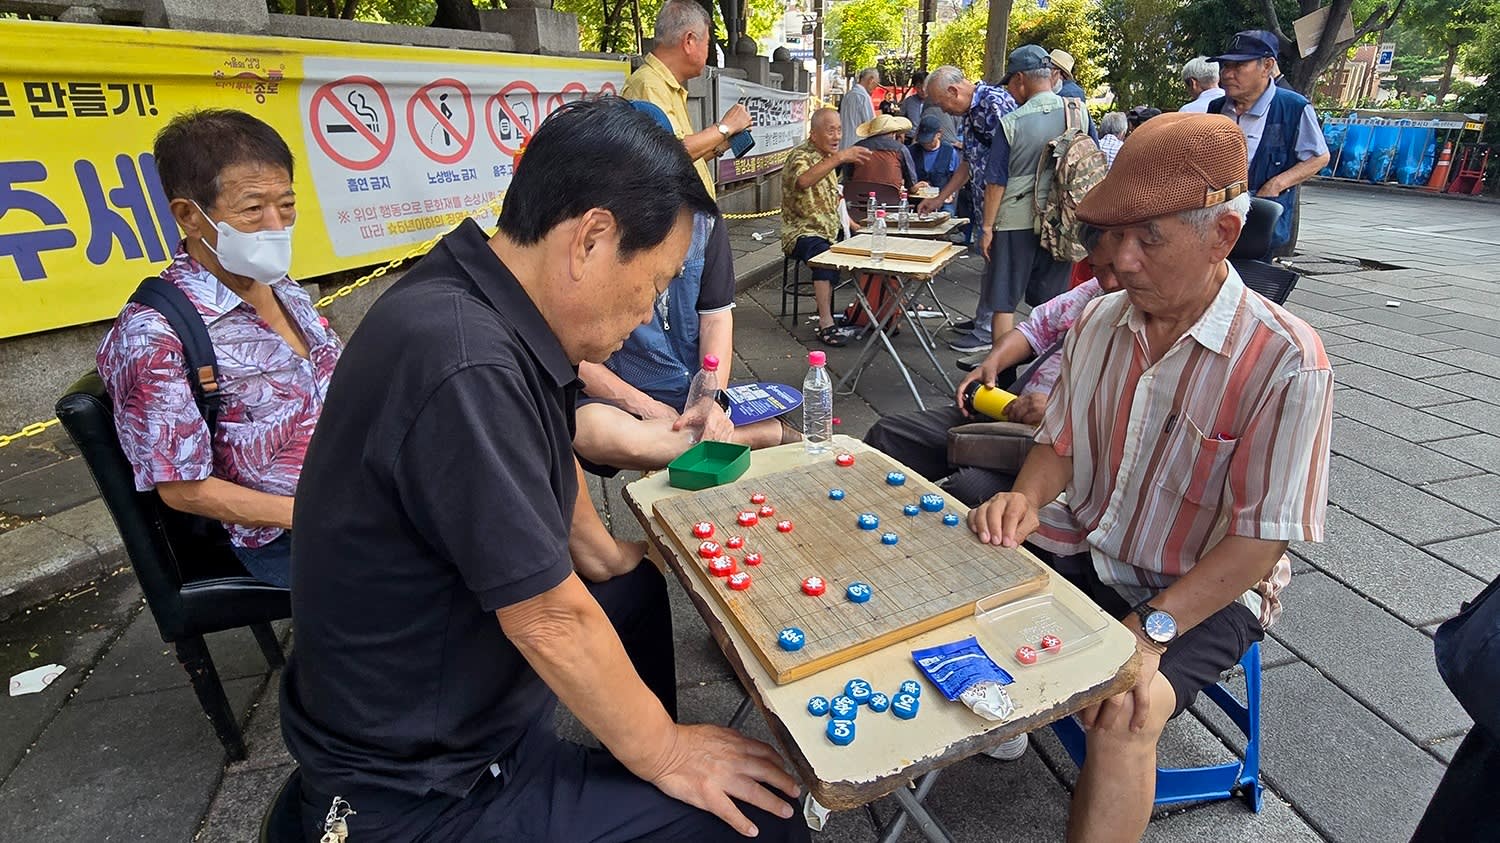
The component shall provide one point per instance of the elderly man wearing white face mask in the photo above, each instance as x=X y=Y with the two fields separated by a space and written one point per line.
x=228 y=443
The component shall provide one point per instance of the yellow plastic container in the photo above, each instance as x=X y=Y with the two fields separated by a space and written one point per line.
x=988 y=401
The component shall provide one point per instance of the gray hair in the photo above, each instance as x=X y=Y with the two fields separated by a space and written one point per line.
x=1202 y=70
x=676 y=19
x=1040 y=73
x=1203 y=219
x=1113 y=123
x=942 y=78
x=869 y=73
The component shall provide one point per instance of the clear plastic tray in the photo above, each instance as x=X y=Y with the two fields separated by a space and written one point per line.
x=1006 y=623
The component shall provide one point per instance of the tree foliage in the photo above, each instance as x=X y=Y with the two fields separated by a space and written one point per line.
x=1064 y=24
x=860 y=30
x=960 y=42
x=1142 y=51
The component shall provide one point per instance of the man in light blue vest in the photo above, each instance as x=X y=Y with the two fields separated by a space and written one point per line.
x=1281 y=129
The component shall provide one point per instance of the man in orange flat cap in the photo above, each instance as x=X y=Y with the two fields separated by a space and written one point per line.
x=1189 y=427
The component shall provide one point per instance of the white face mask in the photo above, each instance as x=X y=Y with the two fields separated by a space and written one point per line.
x=265 y=256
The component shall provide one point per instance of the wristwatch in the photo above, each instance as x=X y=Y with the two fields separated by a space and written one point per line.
x=723 y=129
x=1159 y=626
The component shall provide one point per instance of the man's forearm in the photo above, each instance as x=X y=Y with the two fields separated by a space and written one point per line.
x=568 y=640
x=596 y=554
x=1044 y=475
x=955 y=183
x=600 y=382
x=1227 y=570
x=993 y=193
x=1011 y=349
x=229 y=502
x=814 y=174
x=716 y=337
x=1301 y=172
x=704 y=144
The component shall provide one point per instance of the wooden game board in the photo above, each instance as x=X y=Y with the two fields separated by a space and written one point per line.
x=931 y=577
x=896 y=248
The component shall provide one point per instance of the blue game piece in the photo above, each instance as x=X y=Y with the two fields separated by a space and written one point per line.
x=858 y=592
x=911 y=688
x=858 y=690
x=878 y=702
x=843 y=707
x=905 y=706
x=911 y=509
x=932 y=503
x=889 y=538
x=895 y=478
x=868 y=521
x=841 y=732
x=951 y=519
x=817 y=706
x=791 y=639
x=835 y=494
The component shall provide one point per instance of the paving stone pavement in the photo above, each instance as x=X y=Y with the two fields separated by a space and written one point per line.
x=1357 y=726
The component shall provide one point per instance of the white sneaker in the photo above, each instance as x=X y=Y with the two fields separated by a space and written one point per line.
x=1010 y=750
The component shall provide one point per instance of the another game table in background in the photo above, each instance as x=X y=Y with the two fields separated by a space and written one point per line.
x=903 y=280
x=888 y=753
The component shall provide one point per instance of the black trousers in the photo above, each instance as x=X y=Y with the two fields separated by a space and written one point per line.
x=1465 y=805
x=551 y=790
x=919 y=441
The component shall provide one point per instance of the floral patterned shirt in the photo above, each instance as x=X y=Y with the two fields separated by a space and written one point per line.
x=990 y=103
x=1046 y=326
x=807 y=213
x=271 y=396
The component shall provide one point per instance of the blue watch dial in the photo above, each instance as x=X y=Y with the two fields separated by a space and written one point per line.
x=1160 y=627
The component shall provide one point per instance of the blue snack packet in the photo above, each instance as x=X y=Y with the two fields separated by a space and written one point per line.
x=955 y=667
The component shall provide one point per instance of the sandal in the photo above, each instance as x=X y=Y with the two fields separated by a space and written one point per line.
x=832 y=336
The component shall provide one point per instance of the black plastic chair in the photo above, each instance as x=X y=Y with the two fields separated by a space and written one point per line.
x=1249 y=253
x=283 y=820
x=192 y=580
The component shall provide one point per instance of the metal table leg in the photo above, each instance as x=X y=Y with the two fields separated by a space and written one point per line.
x=906 y=297
x=852 y=376
x=738 y=720
x=910 y=804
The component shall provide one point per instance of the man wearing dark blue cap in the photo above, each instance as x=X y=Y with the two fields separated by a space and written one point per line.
x=1282 y=134
x=936 y=161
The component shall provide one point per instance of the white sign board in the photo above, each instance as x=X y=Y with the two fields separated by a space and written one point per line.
x=780 y=123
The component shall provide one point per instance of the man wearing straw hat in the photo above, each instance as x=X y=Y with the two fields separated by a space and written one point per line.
x=890 y=162
x=1189 y=427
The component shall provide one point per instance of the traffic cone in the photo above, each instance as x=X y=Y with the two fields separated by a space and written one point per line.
x=1439 y=178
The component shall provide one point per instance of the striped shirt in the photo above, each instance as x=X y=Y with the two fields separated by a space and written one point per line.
x=1227 y=434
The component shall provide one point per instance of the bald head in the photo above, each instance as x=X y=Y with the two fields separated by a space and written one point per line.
x=826 y=130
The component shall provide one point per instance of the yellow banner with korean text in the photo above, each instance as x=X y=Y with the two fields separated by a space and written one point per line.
x=392 y=146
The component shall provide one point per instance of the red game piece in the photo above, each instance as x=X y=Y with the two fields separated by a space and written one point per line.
x=814 y=586
x=1025 y=655
x=1051 y=643
x=709 y=550
x=734 y=542
x=721 y=566
x=844 y=460
x=703 y=529
x=752 y=558
x=783 y=526
x=758 y=498
x=747 y=519
x=739 y=581
x=767 y=511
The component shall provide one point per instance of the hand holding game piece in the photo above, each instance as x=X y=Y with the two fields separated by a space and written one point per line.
x=843 y=707
x=858 y=592
x=814 y=586
x=858 y=690
x=951 y=519
x=910 y=510
x=889 y=538
x=1051 y=643
x=905 y=706
x=932 y=503
x=747 y=519
x=721 y=566
x=895 y=478
x=878 y=702
x=752 y=558
x=791 y=639
x=835 y=494
x=709 y=550
x=783 y=526
x=868 y=521
x=841 y=732
x=911 y=688
x=817 y=706
x=739 y=581
x=767 y=511
x=703 y=529
x=1025 y=655
x=844 y=460
x=734 y=542
x=758 y=498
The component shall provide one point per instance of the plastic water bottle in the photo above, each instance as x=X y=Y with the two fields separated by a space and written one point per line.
x=703 y=391
x=902 y=213
x=817 y=405
x=878 y=238
x=870 y=211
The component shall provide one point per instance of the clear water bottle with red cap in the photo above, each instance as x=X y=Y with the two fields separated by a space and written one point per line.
x=878 y=238
x=817 y=405
x=903 y=212
x=703 y=392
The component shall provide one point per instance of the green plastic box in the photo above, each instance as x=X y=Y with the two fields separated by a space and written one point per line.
x=708 y=464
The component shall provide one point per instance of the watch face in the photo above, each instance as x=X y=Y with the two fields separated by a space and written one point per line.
x=1160 y=627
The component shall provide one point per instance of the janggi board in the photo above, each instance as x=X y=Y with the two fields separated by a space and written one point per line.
x=931 y=576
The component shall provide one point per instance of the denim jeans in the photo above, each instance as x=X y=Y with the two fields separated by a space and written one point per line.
x=270 y=563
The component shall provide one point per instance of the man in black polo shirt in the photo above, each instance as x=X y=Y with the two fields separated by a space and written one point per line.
x=439 y=590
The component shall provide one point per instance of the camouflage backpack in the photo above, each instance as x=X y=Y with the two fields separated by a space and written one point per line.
x=1070 y=167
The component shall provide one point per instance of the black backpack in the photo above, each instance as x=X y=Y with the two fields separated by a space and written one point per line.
x=166 y=298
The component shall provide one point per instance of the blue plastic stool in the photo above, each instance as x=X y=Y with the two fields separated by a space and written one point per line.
x=1202 y=784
